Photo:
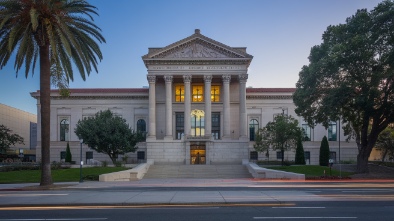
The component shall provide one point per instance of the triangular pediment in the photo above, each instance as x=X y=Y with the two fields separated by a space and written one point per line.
x=196 y=47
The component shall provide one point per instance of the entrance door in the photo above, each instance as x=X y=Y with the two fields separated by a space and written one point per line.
x=197 y=154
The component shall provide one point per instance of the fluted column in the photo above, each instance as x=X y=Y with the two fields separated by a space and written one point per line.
x=242 y=106
x=168 y=80
x=187 y=80
x=207 y=97
x=152 y=106
x=226 y=105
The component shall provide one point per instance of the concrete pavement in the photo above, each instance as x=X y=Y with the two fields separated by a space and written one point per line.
x=179 y=191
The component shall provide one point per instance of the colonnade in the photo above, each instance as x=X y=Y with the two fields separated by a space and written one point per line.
x=187 y=79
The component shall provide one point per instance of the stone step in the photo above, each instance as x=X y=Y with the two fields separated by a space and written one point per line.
x=198 y=171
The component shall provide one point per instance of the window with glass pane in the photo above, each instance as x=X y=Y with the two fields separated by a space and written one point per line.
x=179 y=124
x=198 y=125
x=306 y=130
x=215 y=93
x=179 y=93
x=253 y=127
x=332 y=131
x=279 y=155
x=215 y=117
x=198 y=93
x=64 y=130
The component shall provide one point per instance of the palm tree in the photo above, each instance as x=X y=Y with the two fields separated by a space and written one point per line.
x=59 y=32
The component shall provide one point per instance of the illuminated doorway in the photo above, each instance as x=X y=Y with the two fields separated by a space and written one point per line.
x=197 y=154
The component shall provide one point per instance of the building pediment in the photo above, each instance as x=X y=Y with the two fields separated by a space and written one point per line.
x=197 y=47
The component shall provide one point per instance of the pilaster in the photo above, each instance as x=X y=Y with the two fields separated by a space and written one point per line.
x=168 y=80
x=208 y=106
x=187 y=80
x=242 y=105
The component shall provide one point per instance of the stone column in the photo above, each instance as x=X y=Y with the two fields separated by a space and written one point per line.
x=208 y=111
x=187 y=126
x=152 y=107
x=168 y=80
x=226 y=106
x=242 y=106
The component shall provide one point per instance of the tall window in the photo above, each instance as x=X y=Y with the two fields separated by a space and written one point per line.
x=253 y=127
x=198 y=124
x=64 y=130
x=215 y=93
x=332 y=131
x=179 y=124
x=198 y=93
x=306 y=131
x=215 y=125
x=141 y=126
x=179 y=93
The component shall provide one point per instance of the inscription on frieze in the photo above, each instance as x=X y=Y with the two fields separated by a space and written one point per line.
x=221 y=67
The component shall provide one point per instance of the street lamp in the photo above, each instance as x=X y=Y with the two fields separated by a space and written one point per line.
x=81 y=162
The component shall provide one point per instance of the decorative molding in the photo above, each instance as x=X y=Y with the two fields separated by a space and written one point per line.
x=168 y=78
x=208 y=78
x=151 y=79
x=197 y=48
x=226 y=78
x=269 y=97
x=243 y=78
x=187 y=78
x=111 y=97
x=198 y=62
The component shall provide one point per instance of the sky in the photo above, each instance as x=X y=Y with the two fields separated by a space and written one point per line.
x=278 y=33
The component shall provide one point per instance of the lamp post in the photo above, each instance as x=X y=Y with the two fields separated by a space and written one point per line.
x=81 y=162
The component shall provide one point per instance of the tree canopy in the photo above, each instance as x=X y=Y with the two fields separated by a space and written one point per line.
x=8 y=139
x=280 y=134
x=350 y=77
x=109 y=134
x=385 y=143
x=57 y=33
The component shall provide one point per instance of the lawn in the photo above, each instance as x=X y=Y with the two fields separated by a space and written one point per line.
x=59 y=175
x=311 y=170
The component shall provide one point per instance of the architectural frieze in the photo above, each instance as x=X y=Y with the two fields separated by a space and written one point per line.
x=269 y=97
x=106 y=97
x=198 y=62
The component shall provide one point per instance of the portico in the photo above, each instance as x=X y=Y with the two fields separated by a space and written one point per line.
x=197 y=92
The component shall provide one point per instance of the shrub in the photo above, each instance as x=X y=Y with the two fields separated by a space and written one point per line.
x=299 y=156
x=68 y=154
x=324 y=155
x=104 y=163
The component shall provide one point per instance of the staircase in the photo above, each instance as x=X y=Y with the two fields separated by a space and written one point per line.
x=197 y=171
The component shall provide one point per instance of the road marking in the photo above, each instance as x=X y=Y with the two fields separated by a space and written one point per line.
x=314 y=217
x=54 y=219
x=299 y=207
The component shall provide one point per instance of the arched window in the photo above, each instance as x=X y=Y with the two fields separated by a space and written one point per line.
x=64 y=130
x=141 y=126
x=253 y=127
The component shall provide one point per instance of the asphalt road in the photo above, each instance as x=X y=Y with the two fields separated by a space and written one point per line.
x=371 y=210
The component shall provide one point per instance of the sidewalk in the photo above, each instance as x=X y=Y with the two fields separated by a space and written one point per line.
x=172 y=192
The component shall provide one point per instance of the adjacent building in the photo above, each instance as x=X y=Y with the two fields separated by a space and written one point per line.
x=25 y=125
x=196 y=110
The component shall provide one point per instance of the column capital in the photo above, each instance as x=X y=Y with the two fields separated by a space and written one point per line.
x=208 y=78
x=187 y=78
x=168 y=78
x=226 y=78
x=151 y=78
x=243 y=78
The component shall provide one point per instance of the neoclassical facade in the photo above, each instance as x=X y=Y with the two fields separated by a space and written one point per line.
x=196 y=110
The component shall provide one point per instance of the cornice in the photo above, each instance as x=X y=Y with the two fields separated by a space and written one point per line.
x=198 y=62
x=102 y=97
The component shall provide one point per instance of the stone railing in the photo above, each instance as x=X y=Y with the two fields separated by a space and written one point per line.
x=136 y=173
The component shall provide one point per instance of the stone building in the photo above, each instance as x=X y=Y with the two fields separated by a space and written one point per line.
x=197 y=109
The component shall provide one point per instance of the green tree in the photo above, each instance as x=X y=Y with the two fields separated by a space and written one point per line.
x=299 y=156
x=350 y=76
x=281 y=134
x=68 y=154
x=385 y=143
x=59 y=32
x=324 y=154
x=8 y=139
x=109 y=134
x=262 y=141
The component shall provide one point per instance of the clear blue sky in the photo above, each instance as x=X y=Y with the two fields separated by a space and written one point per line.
x=278 y=33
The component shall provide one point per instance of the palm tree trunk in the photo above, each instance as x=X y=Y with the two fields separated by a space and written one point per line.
x=45 y=102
